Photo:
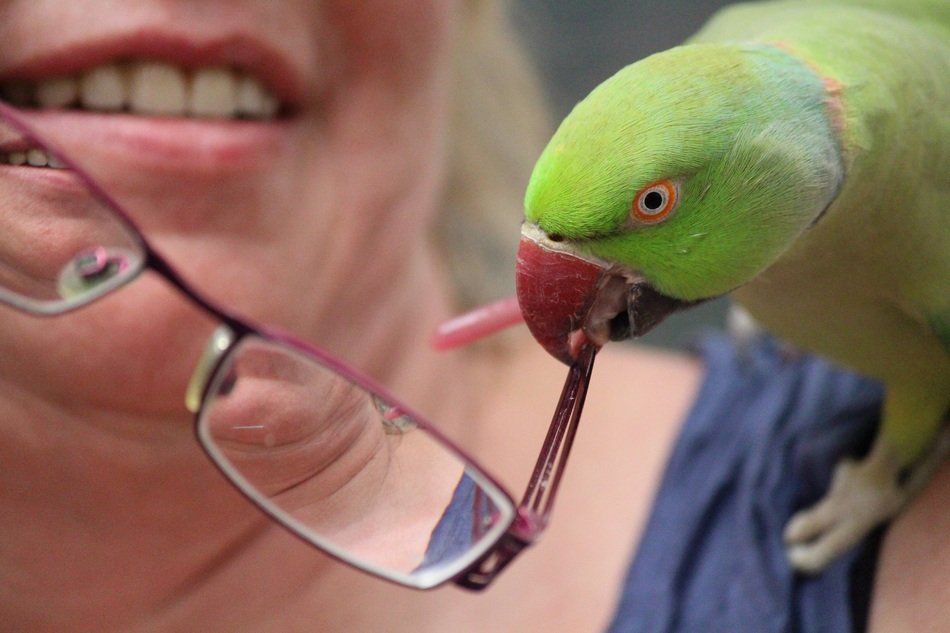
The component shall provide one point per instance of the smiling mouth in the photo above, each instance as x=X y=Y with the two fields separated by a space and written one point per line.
x=151 y=88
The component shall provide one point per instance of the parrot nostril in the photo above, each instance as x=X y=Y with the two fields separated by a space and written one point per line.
x=556 y=237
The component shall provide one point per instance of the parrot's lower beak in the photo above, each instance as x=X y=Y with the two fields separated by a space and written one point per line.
x=570 y=301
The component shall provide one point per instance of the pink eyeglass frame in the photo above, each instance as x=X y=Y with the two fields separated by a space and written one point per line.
x=531 y=516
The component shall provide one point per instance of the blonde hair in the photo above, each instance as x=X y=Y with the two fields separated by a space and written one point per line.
x=498 y=127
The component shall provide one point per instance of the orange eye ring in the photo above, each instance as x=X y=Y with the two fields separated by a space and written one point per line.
x=655 y=203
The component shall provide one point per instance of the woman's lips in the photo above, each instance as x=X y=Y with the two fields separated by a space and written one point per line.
x=157 y=99
x=168 y=145
x=177 y=175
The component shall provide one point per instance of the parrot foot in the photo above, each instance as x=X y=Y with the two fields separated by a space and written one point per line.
x=863 y=494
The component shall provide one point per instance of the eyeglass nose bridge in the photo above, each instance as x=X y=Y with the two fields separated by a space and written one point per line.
x=217 y=346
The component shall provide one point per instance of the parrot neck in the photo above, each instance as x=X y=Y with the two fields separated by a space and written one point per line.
x=833 y=104
x=802 y=110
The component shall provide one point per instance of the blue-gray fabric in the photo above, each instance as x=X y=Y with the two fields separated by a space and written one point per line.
x=760 y=443
x=452 y=535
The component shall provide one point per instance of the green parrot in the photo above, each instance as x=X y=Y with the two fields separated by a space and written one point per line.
x=795 y=155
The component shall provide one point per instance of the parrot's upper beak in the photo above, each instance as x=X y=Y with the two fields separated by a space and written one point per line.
x=570 y=301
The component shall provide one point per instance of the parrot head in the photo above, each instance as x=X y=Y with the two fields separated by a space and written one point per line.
x=677 y=180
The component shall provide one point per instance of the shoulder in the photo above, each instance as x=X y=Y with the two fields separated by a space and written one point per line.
x=912 y=586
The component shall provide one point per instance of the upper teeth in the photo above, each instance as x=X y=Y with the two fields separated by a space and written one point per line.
x=154 y=88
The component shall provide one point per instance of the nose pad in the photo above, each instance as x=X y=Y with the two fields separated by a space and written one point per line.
x=217 y=346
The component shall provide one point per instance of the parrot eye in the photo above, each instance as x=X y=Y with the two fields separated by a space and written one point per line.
x=654 y=203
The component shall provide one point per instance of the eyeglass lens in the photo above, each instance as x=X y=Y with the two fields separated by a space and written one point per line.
x=343 y=467
x=60 y=247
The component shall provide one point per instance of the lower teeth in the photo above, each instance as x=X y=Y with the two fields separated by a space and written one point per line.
x=31 y=158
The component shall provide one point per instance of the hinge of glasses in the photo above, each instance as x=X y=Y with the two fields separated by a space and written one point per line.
x=522 y=533
x=219 y=343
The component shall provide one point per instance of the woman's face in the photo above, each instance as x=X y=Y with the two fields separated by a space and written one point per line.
x=313 y=218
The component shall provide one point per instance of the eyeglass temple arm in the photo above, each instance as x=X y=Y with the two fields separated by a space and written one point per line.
x=536 y=505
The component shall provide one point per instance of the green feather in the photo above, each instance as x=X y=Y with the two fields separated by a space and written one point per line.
x=740 y=127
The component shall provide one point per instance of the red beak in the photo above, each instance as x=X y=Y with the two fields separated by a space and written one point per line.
x=569 y=302
x=556 y=290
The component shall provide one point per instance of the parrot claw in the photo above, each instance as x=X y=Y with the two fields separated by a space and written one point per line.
x=863 y=495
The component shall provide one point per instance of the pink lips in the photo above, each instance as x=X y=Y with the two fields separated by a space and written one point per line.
x=181 y=146
x=174 y=144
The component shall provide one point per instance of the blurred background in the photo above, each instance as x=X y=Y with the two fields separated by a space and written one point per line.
x=576 y=44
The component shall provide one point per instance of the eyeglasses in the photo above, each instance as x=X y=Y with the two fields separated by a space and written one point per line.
x=323 y=450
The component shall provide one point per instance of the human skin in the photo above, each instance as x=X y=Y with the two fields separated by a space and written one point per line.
x=110 y=512
x=111 y=517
